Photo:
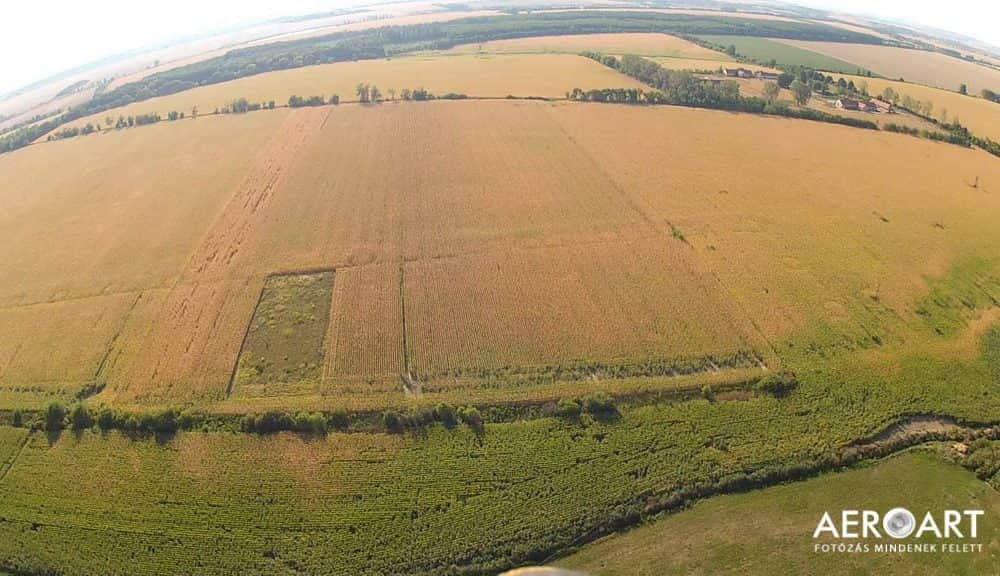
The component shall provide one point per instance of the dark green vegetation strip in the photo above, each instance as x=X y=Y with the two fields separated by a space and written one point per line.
x=991 y=351
x=771 y=529
x=764 y=51
x=381 y=42
x=970 y=285
x=442 y=501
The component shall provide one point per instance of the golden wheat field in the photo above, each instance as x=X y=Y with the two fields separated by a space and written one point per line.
x=623 y=228
x=920 y=66
x=87 y=247
x=979 y=115
x=645 y=44
x=542 y=75
x=828 y=218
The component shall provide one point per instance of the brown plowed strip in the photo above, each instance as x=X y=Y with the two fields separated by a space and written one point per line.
x=194 y=341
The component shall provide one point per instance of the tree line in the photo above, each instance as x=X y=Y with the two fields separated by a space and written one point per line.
x=387 y=41
x=682 y=88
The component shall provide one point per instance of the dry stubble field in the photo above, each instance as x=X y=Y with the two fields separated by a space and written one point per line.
x=491 y=75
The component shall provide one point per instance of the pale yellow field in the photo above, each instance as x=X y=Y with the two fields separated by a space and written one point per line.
x=705 y=65
x=980 y=116
x=920 y=66
x=86 y=235
x=820 y=256
x=643 y=44
x=546 y=75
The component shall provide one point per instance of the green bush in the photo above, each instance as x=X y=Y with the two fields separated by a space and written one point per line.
x=568 y=408
x=339 y=420
x=599 y=404
x=106 y=419
x=310 y=423
x=983 y=458
x=392 y=421
x=80 y=418
x=777 y=384
x=472 y=418
x=445 y=414
x=55 y=414
x=268 y=422
x=17 y=419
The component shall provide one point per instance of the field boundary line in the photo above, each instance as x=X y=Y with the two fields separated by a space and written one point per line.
x=114 y=339
x=243 y=341
x=9 y=464
x=78 y=298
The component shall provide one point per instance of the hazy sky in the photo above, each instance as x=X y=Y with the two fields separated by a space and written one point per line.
x=39 y=38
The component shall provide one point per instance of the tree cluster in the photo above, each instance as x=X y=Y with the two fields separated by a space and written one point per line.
x=447 y=415
x=296 y=101
x=681 y=88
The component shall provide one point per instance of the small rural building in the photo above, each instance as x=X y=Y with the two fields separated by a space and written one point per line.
x=738 y=72
x=848 y=104
x=767 y=75
x=881 y=106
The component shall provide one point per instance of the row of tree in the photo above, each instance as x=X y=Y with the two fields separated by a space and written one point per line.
x=682 y=88
x=382 y=42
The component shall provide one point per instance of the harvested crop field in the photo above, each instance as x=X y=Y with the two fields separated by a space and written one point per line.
x=796 y=266
x=122 y=237
x=920 y=66
x=643 y=44
x=615 y=302
x=542 y=75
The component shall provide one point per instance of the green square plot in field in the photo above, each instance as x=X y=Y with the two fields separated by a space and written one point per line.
x=285 y=342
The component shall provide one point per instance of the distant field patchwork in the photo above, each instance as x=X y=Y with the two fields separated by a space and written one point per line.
x=644 y=44
x=920 y=66
x=490 y=75
x=981 y=116
x=766 y=50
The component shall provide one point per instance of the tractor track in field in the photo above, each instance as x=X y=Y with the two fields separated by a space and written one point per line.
x=192 y=317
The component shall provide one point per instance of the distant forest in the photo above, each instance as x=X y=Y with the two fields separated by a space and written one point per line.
x=393 y=40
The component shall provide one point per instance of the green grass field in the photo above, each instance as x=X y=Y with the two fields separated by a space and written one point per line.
x=763 y=50
x=770 y=531
x=284 y=344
